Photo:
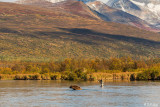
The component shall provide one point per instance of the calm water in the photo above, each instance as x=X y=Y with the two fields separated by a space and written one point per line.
x=57 y=94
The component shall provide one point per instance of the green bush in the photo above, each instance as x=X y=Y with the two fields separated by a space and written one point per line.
x=149 y=74
x=45 y=77
x=19 y=77
x=37 y=77
x=26 y=77
x=133 y=77
x=0 y=77
x=81 y=75
x=154 y=75
x=55 y=76
x=90 y=77
x=73 y=76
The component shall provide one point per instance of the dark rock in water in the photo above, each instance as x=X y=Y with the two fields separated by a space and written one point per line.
x=75 y=87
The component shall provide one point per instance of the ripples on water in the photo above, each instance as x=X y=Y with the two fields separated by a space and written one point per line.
x=57 y=94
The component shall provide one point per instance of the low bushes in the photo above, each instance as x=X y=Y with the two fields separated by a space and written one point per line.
x=77 y=75
x=45 y=77
x=82 y=69
x=133 y=77
x=28 y=77
x=56 y=76
x=6 y=77
x=149 y=74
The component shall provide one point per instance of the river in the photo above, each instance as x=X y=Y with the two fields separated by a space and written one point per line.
x=57 y=94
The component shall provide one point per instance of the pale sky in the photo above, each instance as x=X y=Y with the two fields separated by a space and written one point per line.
x=8 y=0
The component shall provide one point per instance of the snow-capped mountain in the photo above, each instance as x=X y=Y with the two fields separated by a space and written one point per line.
x=111 y=14
x=114 y=15
x=148 y=10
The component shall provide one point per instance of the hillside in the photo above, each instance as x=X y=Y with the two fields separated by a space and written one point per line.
x=97 y=9
x=39 y=34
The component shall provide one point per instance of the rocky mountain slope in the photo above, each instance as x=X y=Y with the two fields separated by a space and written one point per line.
x=114 y=15
x=148 y=10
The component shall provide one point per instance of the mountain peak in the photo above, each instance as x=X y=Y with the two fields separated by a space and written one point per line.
x=96 y=5
x=75 y=7
x=148 y=10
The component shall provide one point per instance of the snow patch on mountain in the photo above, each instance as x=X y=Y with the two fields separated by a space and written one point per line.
x=150 y=6
x=138 y=3
x=154 y=8
x=148 y=10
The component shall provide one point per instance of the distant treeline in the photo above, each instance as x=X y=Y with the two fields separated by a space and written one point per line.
x=82 y=69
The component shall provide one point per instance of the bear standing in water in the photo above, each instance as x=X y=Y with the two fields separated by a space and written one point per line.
x=75 y=87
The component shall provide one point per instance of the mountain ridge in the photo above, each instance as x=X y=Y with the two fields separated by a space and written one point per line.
x=118 y=16
x=129 y=17
x=147 y=10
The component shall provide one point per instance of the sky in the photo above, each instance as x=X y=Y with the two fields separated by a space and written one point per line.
x=8 y=0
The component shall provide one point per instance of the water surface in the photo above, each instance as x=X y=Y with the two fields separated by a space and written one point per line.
x=57 y=94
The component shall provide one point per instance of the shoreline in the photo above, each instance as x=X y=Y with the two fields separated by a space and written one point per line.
x=125 y=76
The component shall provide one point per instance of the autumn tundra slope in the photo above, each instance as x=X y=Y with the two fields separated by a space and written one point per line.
x=101 y=8
x=39 y=34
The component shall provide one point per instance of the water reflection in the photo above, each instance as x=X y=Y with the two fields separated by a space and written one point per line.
x=58 y=94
